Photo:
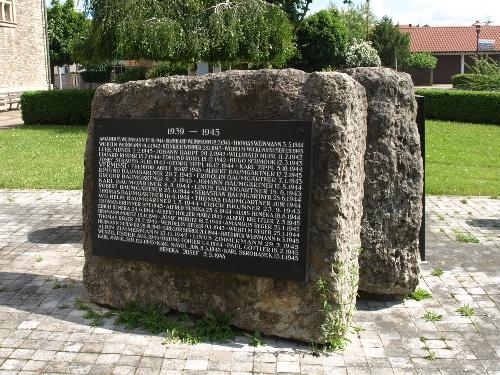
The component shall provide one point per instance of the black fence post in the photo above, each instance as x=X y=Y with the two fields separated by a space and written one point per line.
x=421 y=131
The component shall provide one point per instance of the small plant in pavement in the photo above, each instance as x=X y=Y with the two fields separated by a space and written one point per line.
x=420 y=294
x=255 y=339
x=466 y=310
x=437 y=272
x=465 y=237
x=431 y=316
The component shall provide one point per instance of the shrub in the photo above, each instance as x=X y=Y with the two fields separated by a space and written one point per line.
x=69 y=107
x=462 y=80
x=463 y=106
x=166 y=69
x=421 y=60
x=96 y=76
x=485 y=65
x=361 y=53
x=321 y=41
x=132 y=74
x=477 y=82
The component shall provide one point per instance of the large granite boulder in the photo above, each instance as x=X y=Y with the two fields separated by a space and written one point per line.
x=317 y=310
x=392 y=206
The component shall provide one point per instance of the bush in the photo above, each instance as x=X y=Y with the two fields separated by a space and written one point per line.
x=463 y=106
x=69 y=107
x=361 y=53
x=132 y=74
x=96 y=76
x=321 y=42
x=485 y=65
x=166 y=69
x=477 y=82
x=421 y=60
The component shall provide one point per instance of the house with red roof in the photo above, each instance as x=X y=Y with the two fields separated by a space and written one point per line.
x=454 y=46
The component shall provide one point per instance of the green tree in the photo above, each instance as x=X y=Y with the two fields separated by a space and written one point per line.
x=392 y=45
x=186 y=31
x=64 y=23
x=321 y=41
x=358 y=20
x=295 y=9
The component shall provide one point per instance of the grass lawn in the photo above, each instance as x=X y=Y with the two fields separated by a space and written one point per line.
x=462 y=159
x=42 y=157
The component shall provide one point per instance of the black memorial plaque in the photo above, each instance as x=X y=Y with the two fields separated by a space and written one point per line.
x=224 y=195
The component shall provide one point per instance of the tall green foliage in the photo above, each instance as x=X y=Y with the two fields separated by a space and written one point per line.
x=421 y=60
x=321 y=41
x=64 y=23
x=392 y=45
x=230 y=32
x=295 y=9
x=358 y=20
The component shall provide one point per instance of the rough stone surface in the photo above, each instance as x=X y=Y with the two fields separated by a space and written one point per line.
x=336 y=104
x=393 y=186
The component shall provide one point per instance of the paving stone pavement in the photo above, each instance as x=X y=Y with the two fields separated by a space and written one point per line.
x=10 y=119
x=41 y=331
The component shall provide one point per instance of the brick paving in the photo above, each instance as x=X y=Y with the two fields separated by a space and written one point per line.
x=10 y=119
x=41 y=260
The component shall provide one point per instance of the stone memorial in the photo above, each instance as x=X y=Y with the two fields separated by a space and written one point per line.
x=335 y=104
x=162 y=226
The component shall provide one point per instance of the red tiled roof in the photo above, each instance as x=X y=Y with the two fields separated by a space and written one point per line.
x=449 y=38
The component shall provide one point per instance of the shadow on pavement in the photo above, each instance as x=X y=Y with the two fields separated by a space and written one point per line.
x=484 y=223
x=60 y=297
x=57 y=235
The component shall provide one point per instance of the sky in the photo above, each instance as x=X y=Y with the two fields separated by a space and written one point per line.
x=428 y=12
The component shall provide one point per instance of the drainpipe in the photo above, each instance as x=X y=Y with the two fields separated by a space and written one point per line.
x=47 y=50
x=462 y=63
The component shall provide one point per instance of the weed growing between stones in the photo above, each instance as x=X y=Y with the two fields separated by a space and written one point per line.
x=357 y=329
x=420 y=294
x=431 y=316
x=447 y=347
x=56 y=284
x=179 y=328
x=437 y=272
x=337 y=298
x=97 y=318
x=431 y=355
x=465 y=237
x=255 y=339
x=466 y=310
x=38 y=258
x=440 y=216
x=80 y=305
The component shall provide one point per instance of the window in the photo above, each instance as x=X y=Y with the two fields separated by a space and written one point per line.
x=7 y=13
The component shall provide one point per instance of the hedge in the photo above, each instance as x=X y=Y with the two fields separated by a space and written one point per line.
x=68 y=107
x=463 y=106
x=96 y=76
x=135 y=73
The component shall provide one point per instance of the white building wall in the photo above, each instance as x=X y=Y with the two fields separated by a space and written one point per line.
x=23 y=49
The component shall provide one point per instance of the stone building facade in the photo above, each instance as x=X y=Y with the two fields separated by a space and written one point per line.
x=23 y=46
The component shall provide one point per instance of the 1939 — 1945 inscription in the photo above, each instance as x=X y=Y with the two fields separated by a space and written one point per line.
x=225 y=195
